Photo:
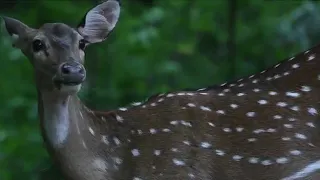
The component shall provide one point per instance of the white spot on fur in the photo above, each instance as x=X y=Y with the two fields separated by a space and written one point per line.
x=153 y=131
x=295 y=108
x=271 y=130
x=282 y=160
x=205 y=145
x=256 y=90
x=191 y=175
x=174 y=149
x=234 y=106
x=220 y=152
x=136 y=103
x=191 y=105
x=119 y=118
x=305 y=88
x=295 y=66
x=239 y=129
x=185 y=123
x=123 y=109
x=211 y=124
x=286 y=73
x=186 y=143
x=310 y=124
x=178 y=162
x=312 y=111
x=282 y=104
x=292 y=94
x=237 y=157
x=251 y=114
x=174 y=122
x=100 y=164
x=156 y=152
x=295 y=152
x=136 y=178
x=300 y=136
x=262 y=101
x=104 y=139
x=117 y=160
x=311 y=57
x=170 y=95
x=160 y=100
x=292 y=119
x=286 y=138
x=116 y=141
x=266 y=162
x=84 y=144
x=253 y=160
x=135 y=152
x=204 y=108
x=289 y=126
x=272 y=93
x=252 y=139
x=91 y=131
x=220 y=112
x=277 y=117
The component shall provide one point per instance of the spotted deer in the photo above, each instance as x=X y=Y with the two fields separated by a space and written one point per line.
x=261 y=127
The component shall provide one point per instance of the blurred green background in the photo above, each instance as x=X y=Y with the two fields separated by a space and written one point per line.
x=157 y=46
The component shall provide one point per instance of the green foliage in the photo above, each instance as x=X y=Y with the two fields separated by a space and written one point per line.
x=169 y=46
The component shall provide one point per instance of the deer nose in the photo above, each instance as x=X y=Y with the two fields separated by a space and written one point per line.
x=72 y=73
x=72 y=68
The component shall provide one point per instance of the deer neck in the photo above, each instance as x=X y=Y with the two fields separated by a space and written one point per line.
x=59 y=113
x=78 y=138
x=58 y=117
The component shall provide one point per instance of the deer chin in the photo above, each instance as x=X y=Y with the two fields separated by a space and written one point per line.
x=69 y=89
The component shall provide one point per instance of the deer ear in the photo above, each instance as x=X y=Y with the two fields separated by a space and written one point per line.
x=14 y=27
x=100 y=21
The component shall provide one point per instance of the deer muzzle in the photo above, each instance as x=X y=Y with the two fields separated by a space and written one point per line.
x=70 y=73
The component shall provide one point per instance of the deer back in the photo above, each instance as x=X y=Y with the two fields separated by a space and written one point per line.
x=264 y=126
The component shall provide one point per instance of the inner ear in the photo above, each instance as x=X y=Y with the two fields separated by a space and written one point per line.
x=100 y=21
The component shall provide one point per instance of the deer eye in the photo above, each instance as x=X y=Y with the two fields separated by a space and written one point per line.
x=38 y=45
x=82 y=44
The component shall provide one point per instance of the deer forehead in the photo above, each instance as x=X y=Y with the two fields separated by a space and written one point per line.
x=60 y=35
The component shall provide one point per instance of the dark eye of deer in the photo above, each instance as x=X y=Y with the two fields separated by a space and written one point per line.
x=82 y=44
x=38 y=45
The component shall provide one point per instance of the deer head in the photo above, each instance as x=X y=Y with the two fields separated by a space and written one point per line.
x=56 y=50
